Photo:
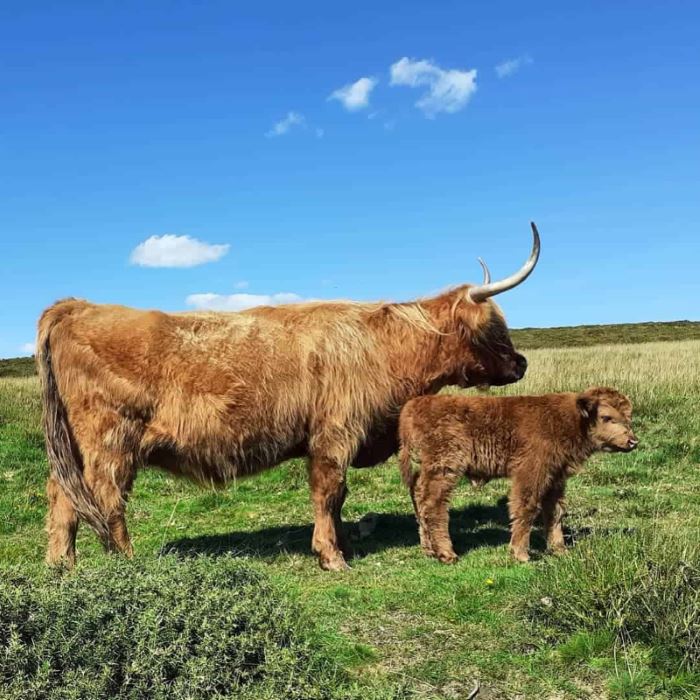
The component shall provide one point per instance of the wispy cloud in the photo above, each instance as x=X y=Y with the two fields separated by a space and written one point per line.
x=447 y=90
x=284 y=125
x=170 y=250
x=28 y=348
x=511 y=66
x=238 y=302
x=354 y=96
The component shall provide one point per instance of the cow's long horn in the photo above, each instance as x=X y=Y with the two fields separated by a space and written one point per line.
x=489 y=289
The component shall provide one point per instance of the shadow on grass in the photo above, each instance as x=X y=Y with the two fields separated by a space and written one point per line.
x=471 y=527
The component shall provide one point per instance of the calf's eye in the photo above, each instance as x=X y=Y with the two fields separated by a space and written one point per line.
x=607 y=419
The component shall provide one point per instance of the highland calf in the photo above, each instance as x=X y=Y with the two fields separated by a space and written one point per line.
x=536 y=441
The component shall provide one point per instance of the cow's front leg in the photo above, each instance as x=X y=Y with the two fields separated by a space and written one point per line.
x=328 y=490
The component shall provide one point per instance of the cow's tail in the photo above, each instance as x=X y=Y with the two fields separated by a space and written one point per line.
x=407 y=474
x=63 y=453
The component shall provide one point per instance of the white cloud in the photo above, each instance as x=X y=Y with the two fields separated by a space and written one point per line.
x=320 y=133
x=29 y=348
x=355 y=96
x=513 y=65
x=284 y=125
x=175 y=251
x=448 y=90
x=238 y=302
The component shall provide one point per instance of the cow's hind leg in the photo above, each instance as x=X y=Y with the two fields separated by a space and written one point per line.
x=61 y=525
x=328 y=491
x=110 y=478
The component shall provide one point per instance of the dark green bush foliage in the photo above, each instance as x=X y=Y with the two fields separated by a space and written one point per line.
x=166 y=628
x=637 y=588
x=612 y=334
x=18 y=367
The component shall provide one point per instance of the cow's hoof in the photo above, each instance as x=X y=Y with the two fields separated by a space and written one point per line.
x=335 y=562
x=447 y=557
x=521 y=556
x=558 y=551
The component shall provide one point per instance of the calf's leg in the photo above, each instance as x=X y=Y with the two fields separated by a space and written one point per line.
x=432 y=492
x=553 y=512
x=524 y=507
x=425 y=544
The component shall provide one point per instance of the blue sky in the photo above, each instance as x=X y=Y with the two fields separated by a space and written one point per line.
x=124 y=122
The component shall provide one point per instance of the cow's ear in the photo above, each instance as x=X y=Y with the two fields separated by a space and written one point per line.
x=587 y=405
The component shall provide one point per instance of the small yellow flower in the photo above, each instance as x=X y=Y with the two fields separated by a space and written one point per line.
x=489 y=582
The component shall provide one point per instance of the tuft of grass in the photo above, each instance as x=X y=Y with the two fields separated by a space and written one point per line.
x=625 y=591
x=159 y=628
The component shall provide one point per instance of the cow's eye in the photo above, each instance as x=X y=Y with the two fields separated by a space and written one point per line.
x=607 y=419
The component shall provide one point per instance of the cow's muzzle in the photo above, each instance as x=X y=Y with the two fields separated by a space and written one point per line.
x=520 y=366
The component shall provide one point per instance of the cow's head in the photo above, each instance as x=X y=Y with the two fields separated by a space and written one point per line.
x=608 y=416
x=484 y=353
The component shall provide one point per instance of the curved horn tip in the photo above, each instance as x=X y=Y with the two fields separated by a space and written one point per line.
x=485 y=268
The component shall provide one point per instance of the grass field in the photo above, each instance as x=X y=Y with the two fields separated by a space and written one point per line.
x=618 y=617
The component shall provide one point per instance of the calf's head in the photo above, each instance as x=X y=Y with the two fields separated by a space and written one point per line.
x=608 y=415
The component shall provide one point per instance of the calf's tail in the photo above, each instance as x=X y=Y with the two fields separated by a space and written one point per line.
x=407 y=474
x=63 y=453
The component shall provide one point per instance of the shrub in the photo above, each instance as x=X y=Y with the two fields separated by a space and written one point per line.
x=166 y=628
x=641 y=588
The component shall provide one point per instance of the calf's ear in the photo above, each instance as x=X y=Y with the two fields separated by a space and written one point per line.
x=587 y=405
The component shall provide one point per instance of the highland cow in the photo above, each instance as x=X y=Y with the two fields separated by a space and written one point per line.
x=536 y=441
x=217 y=396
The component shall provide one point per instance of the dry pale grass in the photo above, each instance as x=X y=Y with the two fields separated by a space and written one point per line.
x=647 y=372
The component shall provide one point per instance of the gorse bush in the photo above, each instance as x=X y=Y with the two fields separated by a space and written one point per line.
x=641 y=588
x=168 y=628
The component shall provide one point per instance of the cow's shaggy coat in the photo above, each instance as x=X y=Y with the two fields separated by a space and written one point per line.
x=214 y=396
x=536 y=441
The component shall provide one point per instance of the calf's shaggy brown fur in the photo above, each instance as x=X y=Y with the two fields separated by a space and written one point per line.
x=536 y=441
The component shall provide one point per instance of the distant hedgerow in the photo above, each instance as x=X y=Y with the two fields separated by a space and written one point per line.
x=166 y=628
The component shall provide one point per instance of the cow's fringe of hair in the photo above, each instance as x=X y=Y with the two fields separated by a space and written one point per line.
x=63 y=453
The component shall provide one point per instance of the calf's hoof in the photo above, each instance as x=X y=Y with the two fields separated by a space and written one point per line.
x=333 y=562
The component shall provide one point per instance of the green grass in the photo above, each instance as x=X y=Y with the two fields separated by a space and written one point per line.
x=399 y=619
